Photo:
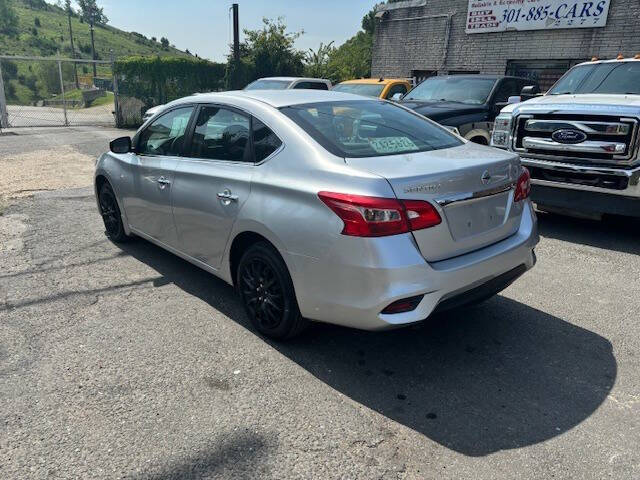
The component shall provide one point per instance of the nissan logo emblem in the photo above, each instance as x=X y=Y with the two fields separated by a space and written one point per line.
x=568 y=135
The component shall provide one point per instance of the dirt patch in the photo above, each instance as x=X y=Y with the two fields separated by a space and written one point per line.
x=51 y=169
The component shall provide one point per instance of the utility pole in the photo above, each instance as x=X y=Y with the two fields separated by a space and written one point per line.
x=4 y=116
x=236 y=46
x=236 y=34
x=73 y=51
x=93 y=48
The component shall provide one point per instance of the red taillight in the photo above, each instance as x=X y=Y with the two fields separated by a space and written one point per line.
x=377 y=217
x=523 y=187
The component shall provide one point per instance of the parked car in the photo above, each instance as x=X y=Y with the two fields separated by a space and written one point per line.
x=285 y=83
x=384 y=88
x=581 y=139
x=468 y=102
x=322 y=206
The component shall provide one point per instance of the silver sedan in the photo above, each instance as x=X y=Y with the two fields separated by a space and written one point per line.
x=322 y=206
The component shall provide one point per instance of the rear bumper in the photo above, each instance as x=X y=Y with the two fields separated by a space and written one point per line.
x=360 y=277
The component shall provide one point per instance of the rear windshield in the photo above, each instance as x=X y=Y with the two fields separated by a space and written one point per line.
x=613 y=78
x=268 y=85
x=366 y=89
x=369 y=128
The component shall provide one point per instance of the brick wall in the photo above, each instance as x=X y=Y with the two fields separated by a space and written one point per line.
x=403 y=46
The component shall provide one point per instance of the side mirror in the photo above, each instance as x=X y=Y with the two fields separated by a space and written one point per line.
x=396 y=97
x=514 y=99
x=530 y=90
x=120 y=145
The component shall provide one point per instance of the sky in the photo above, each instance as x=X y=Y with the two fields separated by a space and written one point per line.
x=204 y=27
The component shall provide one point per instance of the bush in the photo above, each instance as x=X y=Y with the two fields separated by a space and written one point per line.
x=9 y=69
x=46 y=46
x=34 y=31
x=8 y=18
x=156 y=80
x=36 y=22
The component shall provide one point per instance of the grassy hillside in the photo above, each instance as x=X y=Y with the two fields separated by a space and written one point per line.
x=43 y=31
x=52 y=36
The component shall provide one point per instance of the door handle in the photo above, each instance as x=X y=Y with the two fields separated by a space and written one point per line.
x=227 y=197
x=163 y=182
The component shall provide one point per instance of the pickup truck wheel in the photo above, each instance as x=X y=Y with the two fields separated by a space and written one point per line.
x=266 y=290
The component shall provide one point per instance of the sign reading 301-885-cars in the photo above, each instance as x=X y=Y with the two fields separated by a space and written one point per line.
x=486 y=16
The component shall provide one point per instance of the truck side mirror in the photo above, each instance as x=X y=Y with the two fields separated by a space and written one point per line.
x=530 y=91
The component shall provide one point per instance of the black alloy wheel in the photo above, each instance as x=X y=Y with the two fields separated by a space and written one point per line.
x=111 y=214
x=267 y=293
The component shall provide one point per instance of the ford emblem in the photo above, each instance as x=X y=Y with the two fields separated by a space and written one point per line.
x=568 y=135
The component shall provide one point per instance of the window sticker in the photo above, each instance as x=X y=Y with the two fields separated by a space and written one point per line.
x=392 y=144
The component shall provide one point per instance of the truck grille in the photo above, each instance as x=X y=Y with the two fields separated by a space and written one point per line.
x=576 y=138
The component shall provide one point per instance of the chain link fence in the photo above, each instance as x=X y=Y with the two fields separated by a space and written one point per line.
x=40 y=91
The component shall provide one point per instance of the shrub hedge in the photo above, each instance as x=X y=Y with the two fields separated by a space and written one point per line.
x=158 y=80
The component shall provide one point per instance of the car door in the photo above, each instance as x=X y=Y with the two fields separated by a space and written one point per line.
x=212 y=181
x=157 y=150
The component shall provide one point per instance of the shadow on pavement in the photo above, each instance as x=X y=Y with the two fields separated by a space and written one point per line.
x=612 y=233
x=235 y=455
x=498 y=376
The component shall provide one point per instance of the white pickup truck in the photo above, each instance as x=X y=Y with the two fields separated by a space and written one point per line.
x=580 y=140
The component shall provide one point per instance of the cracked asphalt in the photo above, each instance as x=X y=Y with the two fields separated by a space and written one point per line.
x=127 y=362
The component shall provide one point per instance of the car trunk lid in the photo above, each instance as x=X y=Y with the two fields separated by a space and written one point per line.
x=471 y=186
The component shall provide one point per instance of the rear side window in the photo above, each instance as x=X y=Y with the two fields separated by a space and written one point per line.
x=220 y=134
x=312 y=85
x=397 y=88
x=265 y=142
x=165 y=136
x=369 y=128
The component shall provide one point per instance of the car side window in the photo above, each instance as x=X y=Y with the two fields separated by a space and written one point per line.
x=311 y=85
x=166 y=135
x=397 y=88
x=265 y=142
x=220 y=134
x=508 y=88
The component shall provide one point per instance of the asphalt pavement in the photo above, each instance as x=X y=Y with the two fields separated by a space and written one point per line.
x=123 y=361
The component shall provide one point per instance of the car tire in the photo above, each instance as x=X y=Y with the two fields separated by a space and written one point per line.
x=267 y=293
x=110 y=211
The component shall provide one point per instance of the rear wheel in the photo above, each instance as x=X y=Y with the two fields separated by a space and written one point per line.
x=267 y=293
x=111 y=214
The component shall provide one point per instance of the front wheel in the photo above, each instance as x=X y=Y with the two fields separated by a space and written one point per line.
x=266 y=290
x=111 y=214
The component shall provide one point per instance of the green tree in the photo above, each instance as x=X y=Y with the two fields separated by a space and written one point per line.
x=8 y=18
x=317 y=62
x=36 y=22
x=91 y=13
x=266 y=52
x=352 y=59
x=165 y=42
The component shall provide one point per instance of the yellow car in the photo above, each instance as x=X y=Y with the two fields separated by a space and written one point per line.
x=384 y=88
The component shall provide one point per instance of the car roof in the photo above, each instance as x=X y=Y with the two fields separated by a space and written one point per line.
x=292 y=79
x=275 y=98
x=612 y=60
x=381 y=81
